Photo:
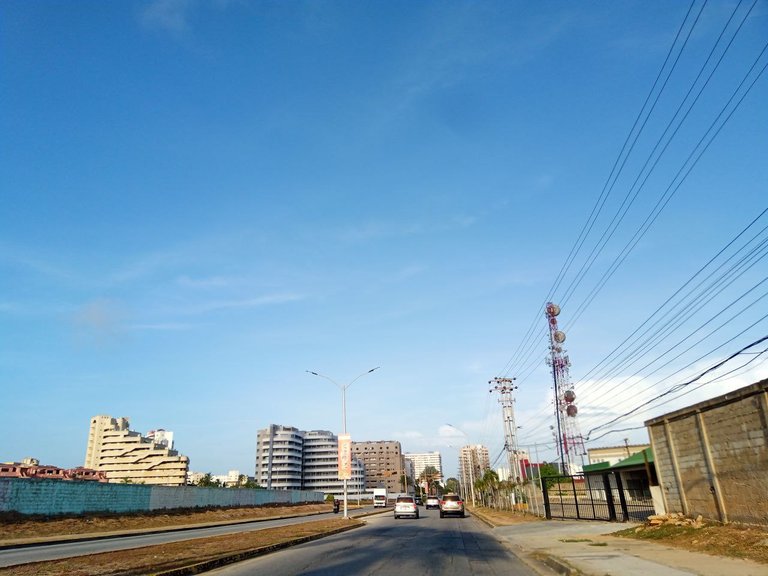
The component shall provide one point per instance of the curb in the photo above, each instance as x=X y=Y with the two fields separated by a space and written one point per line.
x=533 y=558
x=233 y=558
x=558 y=565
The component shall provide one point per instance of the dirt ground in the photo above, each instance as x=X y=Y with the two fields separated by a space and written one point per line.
x=153 y=559
x=13 y=528
x=731 y=540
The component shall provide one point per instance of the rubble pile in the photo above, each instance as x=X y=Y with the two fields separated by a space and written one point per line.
x=674 y=519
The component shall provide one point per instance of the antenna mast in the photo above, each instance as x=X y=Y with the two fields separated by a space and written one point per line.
x=570 y=442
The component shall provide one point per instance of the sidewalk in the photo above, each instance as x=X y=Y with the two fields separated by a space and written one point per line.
x=587 y=548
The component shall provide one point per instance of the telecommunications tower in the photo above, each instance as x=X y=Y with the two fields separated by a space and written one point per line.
x=570 y=443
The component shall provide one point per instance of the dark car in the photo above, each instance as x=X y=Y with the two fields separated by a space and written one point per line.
x=418 y=501
x=451 y=504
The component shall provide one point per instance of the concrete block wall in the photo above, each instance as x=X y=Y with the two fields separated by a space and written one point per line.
x=738 y=441
x=665 y=470
x=57 y=497
x=712 y=458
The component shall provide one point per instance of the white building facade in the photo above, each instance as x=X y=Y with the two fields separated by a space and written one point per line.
x=291 y=459
x=279 y=457
x=421 y=460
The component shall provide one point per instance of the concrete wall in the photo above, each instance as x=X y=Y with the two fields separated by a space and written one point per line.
x=54 y=497
x=712 y=457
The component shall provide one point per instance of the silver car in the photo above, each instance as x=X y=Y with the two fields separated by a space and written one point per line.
x=406 y=506
x=432 y=502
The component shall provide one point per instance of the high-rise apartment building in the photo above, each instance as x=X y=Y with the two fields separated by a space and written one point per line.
x=473 y=462
x=421 y=460
x=127 y=456
x=383 y=461
x=321 y=465
x=291 y=459
x=279 y=457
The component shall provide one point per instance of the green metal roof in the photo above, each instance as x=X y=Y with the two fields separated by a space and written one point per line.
x=637 y=459
x=596 y=467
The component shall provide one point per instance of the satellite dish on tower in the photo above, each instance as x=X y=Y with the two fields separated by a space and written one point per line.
x=559 y=337
x=553 y=309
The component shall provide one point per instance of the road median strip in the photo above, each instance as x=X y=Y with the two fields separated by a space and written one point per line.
x=188 y=556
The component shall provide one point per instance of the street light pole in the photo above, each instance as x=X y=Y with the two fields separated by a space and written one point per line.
x=343 y=389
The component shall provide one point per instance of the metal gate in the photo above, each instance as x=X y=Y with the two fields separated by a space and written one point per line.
x=594 y=497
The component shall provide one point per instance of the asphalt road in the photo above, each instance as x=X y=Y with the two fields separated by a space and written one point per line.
x=13 y=556
x=428 y=546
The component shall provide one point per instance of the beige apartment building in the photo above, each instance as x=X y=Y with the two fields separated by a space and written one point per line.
x=127 y=456
x=473 y=462
x=384 y=464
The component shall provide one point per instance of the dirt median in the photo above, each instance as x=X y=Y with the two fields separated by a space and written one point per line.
x=186 y=557
x=17 y=528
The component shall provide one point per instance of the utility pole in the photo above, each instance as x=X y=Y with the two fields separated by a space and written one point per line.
x=505 y=387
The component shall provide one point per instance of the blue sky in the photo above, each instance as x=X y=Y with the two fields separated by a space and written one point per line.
x=203 y=199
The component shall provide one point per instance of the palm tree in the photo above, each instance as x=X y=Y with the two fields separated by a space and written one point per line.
x=430 y=475
x=452 y=485
x=488 y=487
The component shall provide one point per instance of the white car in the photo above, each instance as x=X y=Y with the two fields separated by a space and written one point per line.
x=406 y=506
x=432 y=502
x=451 y=504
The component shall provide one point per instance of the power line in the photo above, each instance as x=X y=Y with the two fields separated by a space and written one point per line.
x=682 y=385
x=600 y=202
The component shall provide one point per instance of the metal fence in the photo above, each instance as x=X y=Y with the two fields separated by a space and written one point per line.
x=594 y=497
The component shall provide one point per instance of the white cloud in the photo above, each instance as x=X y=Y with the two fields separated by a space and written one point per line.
x=209 y=282
x=9 y=307
x=260 y=301
x=376 y=229
x=169 y=15
x=168 y=326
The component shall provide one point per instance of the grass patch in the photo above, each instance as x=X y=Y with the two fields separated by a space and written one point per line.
x=569 y=540
x=731 y=540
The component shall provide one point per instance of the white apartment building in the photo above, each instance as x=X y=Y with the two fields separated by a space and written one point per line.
x=321 y=466
x=421 y=460
x=291 y=459
x=161 y=437
x=279 y=457
x=127 y=456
